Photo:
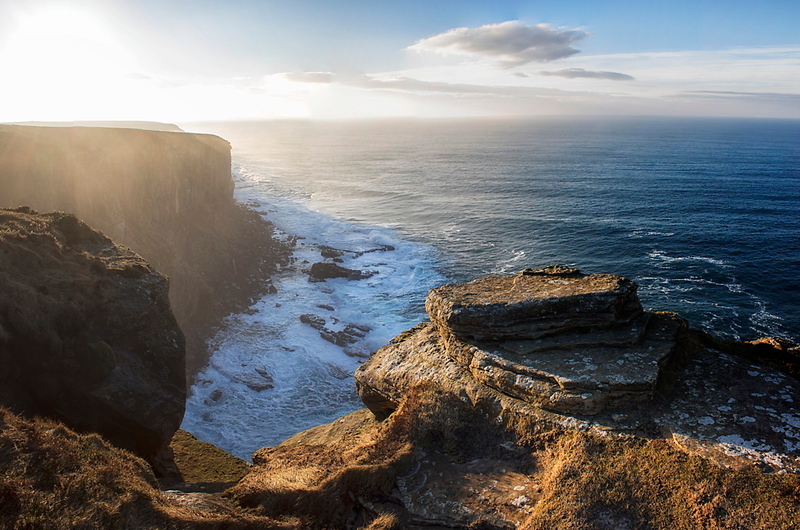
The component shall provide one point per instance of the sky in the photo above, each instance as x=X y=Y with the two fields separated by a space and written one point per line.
x=201 y=60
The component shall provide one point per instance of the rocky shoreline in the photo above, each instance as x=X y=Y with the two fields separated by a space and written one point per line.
x=544 y=399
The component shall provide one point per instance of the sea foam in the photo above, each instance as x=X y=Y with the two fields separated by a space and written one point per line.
x=231 y=404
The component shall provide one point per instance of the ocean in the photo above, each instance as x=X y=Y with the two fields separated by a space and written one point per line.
x=704 y=214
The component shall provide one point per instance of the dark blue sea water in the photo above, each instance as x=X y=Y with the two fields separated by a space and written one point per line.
x=703 y=214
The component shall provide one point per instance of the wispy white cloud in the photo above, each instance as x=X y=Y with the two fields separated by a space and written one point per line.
x=573 y=73
x=310 y=77
x=730 y=94
x=409 y=84
x=741 y=82
x=508 y=44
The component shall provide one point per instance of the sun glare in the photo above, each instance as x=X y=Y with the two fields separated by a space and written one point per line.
x=63 y=63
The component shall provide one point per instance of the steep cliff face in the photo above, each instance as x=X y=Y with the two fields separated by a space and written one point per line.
x=86 y=333
x=167 y=195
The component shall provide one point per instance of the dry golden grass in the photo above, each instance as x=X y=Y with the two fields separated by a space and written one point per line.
x=202 y=463
x=586 y=481
x=593 y=482
x=53 y=478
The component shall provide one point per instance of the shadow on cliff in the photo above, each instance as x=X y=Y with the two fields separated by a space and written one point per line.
x=166 y=195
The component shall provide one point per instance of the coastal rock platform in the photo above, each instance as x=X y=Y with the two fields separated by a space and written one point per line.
x=554 y=337
x=644 y=374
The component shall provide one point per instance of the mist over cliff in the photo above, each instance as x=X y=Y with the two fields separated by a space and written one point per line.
x=167 y=195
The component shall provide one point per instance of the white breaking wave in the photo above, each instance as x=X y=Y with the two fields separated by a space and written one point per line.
x=272 y=374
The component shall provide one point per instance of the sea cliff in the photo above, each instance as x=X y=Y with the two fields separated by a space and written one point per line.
x=86 y=333
x=166 y=195
x=545 y=399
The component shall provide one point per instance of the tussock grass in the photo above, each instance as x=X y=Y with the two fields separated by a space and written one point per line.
x=593 y=482
x=585 y=480
x=53 y=478
x=331 y=483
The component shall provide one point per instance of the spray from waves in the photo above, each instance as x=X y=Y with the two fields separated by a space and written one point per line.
x=286 y=364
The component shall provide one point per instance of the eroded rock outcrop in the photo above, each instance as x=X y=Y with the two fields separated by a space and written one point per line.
x=553 y=338
x=166 y=195
x=530 y=353
x=86 y=333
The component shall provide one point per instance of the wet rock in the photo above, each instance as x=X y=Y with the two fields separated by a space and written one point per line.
x=264 y=373
x=360 y=353
x=256 y=382
x=350 y=334
x=337 y=372
x=314 y=321
x=330 y=252
x=321 y=271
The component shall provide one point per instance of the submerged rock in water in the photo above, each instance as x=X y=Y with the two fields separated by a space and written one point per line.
x=324 y=270
x=350 y=334
x=86 y=333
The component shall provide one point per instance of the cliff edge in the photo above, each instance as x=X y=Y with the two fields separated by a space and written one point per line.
x=167 y=195
x=544 y=400
x=549 y=399
x=86 y=333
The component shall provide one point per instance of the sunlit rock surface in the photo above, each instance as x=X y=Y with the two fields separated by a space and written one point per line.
x=555 y=338
x=622 y=371
x=532 y=304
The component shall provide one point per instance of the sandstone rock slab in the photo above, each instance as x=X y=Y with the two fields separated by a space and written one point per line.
x=533 y=304
x=586 y=379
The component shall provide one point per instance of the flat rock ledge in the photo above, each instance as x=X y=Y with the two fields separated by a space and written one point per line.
x=646 y=374
x=556 y=338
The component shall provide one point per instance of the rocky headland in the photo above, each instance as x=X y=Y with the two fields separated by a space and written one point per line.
x=86 y=333
x=545 y=399
x=166 y=195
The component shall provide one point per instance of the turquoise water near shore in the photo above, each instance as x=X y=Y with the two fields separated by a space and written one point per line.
x=702 y=214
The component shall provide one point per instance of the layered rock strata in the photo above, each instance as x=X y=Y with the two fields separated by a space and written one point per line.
x=556 y=338
x=86 y=333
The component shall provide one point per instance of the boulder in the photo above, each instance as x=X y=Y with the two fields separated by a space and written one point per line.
x=323 y=270
x=86 y=333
